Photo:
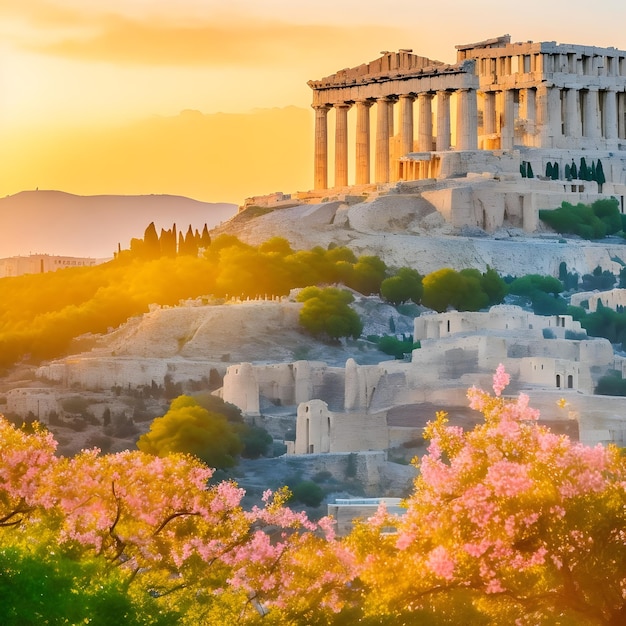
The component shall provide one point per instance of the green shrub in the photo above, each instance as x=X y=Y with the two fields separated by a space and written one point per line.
x=327 y=312
x=308 y=492
x=611 y=385
x=396 y=347
x=75 y=404
x=256 y=441
x=593 y=221
x=404 y=286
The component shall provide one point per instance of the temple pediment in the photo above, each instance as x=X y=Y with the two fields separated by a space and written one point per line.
x=395 y=64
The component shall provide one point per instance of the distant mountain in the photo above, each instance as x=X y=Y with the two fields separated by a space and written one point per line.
x=58 y=223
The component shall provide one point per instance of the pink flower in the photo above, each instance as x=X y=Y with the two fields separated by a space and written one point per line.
x=440 y=563
x=500 y=380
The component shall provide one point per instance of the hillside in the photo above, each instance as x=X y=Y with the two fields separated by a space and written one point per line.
x=406 y=230
x=58 y=223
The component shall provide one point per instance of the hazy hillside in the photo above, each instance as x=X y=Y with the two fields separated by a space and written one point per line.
x=219 y=157
x=404 y=230
x=53 y=222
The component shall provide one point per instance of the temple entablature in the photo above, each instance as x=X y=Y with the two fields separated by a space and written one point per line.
x=498 y=96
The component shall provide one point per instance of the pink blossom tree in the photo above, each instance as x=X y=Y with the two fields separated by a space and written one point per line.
x=166 y=533
x=508 y=522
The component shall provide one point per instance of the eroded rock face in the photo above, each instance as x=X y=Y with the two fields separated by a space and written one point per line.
x=411 y=230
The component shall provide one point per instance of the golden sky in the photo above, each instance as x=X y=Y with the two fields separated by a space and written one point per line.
x=197 y=97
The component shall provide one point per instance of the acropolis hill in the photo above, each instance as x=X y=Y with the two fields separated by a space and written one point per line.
x=473 y=140
x=445 y=166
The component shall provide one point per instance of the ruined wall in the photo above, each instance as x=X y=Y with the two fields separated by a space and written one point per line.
x=610 y=299
x=101 y=372
x=320 y=431
x=499 y=318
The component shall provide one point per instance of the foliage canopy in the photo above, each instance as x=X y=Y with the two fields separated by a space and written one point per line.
x=508 y=523
x=189 y=428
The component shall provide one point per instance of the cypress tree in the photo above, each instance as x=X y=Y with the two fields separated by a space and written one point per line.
x=555 y=171
x=583 y=171
x=574 y=171
x=191 y=246
x=549 y=170
x=168 y=243
x=600 y=178
x=205 y=239
x=568 y=172
x=522 y=169
x=151 y=247
x=593 y=171
x=529 y=170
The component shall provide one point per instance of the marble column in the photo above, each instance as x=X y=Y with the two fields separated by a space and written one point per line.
x=406 y=124
x=443 y=120
x=548 y=115
x=621 y=115
x=591 y=107
x=573 y=121
x=363 y=142
x=391 y=116
x=507 y=132
x=321 y=146
x=425 y=131
x=528 y=112
x=555 y=115
x=382 y=140
x=466 y=120
x=489 y=114
x=341 y=145
x=610 y=115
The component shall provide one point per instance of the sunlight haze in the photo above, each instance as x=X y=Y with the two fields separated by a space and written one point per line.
x=93 y=95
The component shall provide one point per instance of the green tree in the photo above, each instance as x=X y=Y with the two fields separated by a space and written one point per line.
x=190 y=243
x=151 y=247
x=405 y=285
x=167 y=243
x=611 y=385
x=396 y=347
x=525 y=285
x=205 y=238
x=308 y=492
x=555 y=171
x=276 y=245
x=549 y=169
x=582 y=219
x=607 y=210
x=256 y=441
x=583 y=170
x=189 y=428
x=51 y=587
x=462 y=290
x=600 y=177
x=493 y=285
x=368 y=274
x=542 y=291
x=327 y=312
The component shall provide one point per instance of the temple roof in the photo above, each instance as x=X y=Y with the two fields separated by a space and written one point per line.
x=396 y=64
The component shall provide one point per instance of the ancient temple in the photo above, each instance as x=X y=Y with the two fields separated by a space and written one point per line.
x=499 y=96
